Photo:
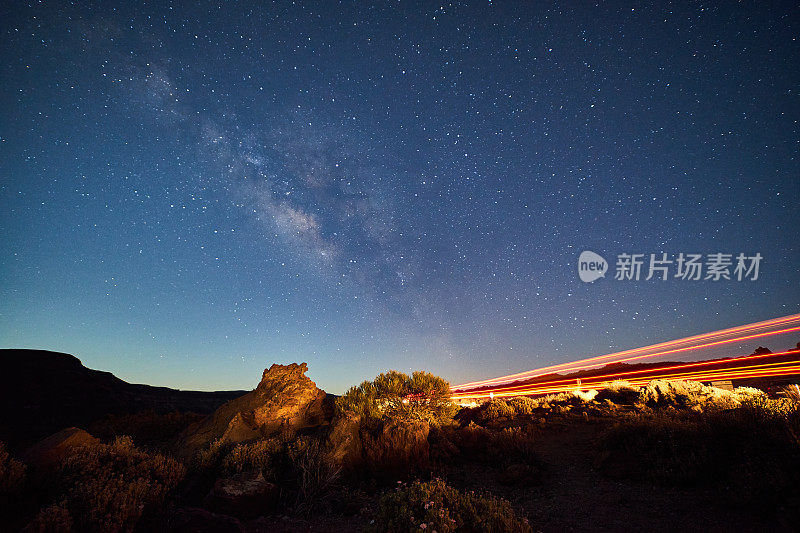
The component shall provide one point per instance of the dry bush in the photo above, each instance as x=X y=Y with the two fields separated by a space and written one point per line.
x=620 y=392
x=435 y=506
x=52 y=519
x=496 y=409
x=511 y=450
x=575 y=397
x=254 y=455
x=792 y=393
x=297 y=463
x=209 y=459
x=585 y=396
x=315 y=476
x=523 y=406
x=12 y=473
x=14 y=489
x=110 y=487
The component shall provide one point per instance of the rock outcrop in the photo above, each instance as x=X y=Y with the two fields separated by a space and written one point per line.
x=284 y=401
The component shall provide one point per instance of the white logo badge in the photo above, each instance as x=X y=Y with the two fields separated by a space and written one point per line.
x=591 y=266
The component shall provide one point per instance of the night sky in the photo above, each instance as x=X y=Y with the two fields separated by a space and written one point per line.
x=190 y=192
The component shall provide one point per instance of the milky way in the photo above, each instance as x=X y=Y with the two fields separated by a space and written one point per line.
x=191 y=192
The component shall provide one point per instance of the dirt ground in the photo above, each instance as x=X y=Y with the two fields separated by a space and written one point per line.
x=572 y=495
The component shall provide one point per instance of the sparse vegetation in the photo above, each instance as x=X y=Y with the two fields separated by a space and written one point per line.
x=109 y=488
x=751 y=453
x=436 y=506
x=254 y=455
x=742 y=444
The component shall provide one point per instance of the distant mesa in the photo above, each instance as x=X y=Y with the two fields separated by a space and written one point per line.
x=43 y=392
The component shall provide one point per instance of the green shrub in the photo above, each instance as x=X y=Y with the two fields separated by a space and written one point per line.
x=395 y=395
x=110 y=487
x=435 y=506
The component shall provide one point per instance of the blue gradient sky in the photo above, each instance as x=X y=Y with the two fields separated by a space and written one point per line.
x=191 y=192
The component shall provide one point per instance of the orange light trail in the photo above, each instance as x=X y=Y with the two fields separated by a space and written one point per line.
x=504 y=386
x=620 y=356
x=600 y=382
x=570 y=383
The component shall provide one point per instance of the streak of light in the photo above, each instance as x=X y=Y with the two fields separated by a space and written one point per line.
x=696 y=342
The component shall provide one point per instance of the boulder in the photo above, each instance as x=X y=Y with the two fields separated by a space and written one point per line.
x=283 y=402
x=48 y=453
x=245 y=495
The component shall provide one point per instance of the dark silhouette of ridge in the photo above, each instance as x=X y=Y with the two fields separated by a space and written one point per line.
x=42 y=392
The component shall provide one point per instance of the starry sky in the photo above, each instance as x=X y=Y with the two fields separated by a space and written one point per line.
x=192 y=191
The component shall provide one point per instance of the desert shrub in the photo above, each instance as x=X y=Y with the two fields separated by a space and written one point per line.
x=14 y=489
x=146 y=429
x=12 y=473
x=575 y=397
x=512 y=451
x=435 y=506
x=585 y=396
x=209 y=459
x=523 y=406
x=687 y=395
x=618 y=385
x=52 y=519
x=254 y=455
x=314 y=475
x=751 y=453
x=619 y=392
x=297 y=464
x=395 y=395
x=110 y=487
x=496 y=409
x=513 y=445
x=792 y=393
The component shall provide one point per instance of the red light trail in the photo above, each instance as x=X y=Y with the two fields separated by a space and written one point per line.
x=751 y=366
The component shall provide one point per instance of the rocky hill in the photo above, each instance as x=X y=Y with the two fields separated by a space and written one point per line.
x=43 y=392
